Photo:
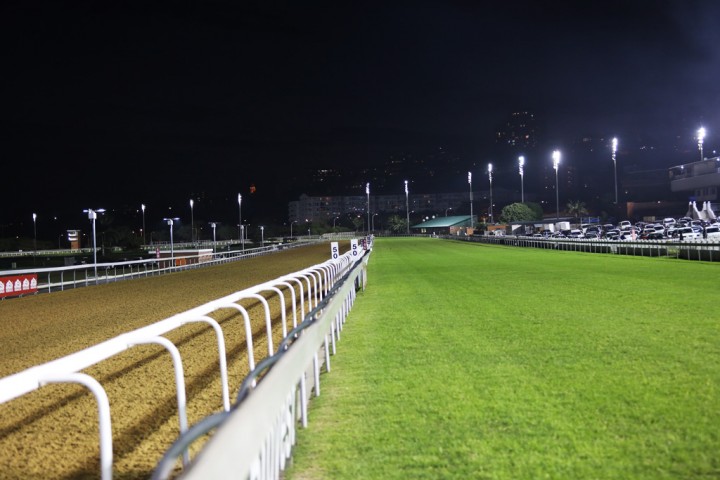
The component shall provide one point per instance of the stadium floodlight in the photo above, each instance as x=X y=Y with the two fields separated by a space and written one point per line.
x=556 y=164
x=489 y=171
x=614 y=151
x=472 y=223
x=701 y=137
x=521 y=168
x=142 y=207
x=192 y=221
x=407 y=209
x=367 y=191
x=240 y=225
x=34 y=233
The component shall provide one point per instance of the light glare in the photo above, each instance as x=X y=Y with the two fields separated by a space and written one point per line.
x=556 y=159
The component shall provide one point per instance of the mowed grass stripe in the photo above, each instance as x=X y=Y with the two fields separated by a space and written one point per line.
x=473 y=361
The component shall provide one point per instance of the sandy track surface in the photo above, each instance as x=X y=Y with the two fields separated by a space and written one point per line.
x=53 y=432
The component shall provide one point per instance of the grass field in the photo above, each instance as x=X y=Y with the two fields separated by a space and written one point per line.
x=475 y=361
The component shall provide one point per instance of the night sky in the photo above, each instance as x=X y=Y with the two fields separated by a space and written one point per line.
x=118 y=103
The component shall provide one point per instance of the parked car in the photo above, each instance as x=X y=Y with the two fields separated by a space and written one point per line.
x=686 y=233
x=713 y=231
x=649 y=228
x=612 y=234
x=656 y=235
x=594 y=229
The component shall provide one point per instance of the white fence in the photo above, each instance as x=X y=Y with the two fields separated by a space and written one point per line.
x=254 y=440
x=307 y=290
x=706 y=250
x=61 y=278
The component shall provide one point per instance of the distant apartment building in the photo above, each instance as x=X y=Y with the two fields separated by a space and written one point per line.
x=520 y=130
x=308 y=208
x=326 y=208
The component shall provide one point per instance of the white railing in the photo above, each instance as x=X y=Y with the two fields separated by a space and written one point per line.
x=307 y=288
x=255 y=438
x=61 y=278
x=697 y=249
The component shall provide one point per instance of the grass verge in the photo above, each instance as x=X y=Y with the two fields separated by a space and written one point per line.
x=476 y=361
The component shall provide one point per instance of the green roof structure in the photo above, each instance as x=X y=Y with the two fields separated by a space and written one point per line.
x=445 y=222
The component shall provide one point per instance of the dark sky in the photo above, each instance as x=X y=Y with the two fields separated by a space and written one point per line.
x=128 y=102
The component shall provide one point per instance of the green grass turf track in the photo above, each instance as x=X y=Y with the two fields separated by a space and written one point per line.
x=465 y=360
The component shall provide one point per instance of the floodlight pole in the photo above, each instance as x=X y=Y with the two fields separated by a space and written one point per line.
x=491 y=198
x=92 y=215
x=213 y=225
x=242 y=236
x=521 y=165
x=472 y=222
x=614 y=151
x=407 y=209
x=142 y=207
x=34 y=215
x=701 y=137
x=556 y=163
x=367 y=191
x=170 y=222
x=192 y=221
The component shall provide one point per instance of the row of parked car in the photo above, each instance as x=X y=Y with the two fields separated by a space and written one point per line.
x=684 y=228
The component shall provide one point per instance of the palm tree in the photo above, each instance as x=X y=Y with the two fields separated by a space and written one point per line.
x=396 y=224
x=576 y=209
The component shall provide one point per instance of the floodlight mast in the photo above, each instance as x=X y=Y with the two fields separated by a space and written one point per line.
x=489 y=170
x=521 y=166
x=701 y=137
x=240 y=225
x=192 y=221
x=34 y=215
x=556 y=164
x=614 y=151
x=142 y=207
x=472 y=223
x=367 y=191
x=407 y=209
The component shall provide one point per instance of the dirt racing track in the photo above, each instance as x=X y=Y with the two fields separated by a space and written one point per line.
x=52 y=432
